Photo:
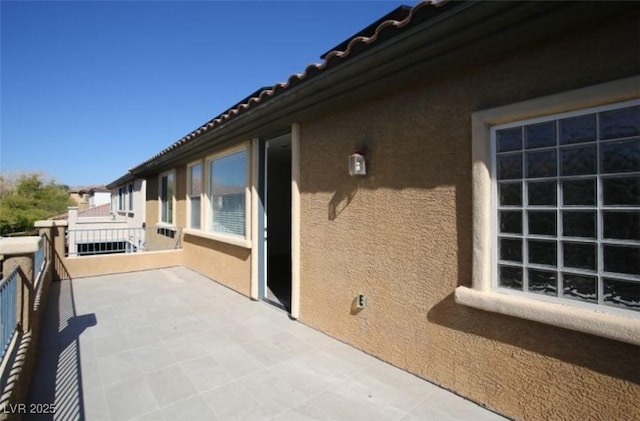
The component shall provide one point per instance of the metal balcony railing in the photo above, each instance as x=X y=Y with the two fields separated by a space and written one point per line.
x=8 y=310
x=105 y=241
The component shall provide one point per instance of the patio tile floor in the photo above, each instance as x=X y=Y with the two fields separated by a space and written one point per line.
x=170 y=344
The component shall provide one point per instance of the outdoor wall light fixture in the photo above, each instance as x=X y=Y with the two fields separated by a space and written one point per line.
x=357 y=164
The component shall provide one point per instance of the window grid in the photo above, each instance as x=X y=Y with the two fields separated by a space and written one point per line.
x=194 y=194
x=561 y=209
x=130 y=194
x=227 y=178
x=166 y=196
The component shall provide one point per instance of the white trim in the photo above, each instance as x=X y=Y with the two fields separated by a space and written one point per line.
x=255 y=198
x=295 y=220
x=165 y=225
x=612 y=326
x=235 y=241
x=173 y=198
x=188 y=192
x=481 y=295
x=19 y=245
x=49 y=223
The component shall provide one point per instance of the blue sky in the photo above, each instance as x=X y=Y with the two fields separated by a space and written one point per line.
x=89 y=89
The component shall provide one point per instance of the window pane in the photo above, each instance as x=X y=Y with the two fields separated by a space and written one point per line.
x=196 y=180
x=511 y=249
x=195 y=212
x=623 y=294
x=509 y=166
x=540 y=135
x=580 y=287
x=542 y=222
x=541 y=164
x=580 y=255
x=542 y=193
x=164 y=193
x=579 y=192
x=569 y=207
x=622 y=259
x=579 y=224
x=578 y=161
x=228 y=183
x=621 y=225
x=578 y=129
x=509 y=139
x=510 y=277
x=542 y=252
x=510 y=194
x=511 y=222
x=170 y=193
x=623 y=122
x=618 y=157
x=543 y=282
x=621 y=191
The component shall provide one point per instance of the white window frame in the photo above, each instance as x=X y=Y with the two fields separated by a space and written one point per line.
x=189 y=195
x=206 y=216
x=162 y=223
x=603 y=321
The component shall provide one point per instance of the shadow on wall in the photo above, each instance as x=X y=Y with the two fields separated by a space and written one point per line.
x=342 y=198
x=609 y=357
x=58 y=375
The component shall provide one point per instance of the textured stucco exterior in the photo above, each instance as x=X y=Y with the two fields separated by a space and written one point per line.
x=402 y=236
x=228 y=264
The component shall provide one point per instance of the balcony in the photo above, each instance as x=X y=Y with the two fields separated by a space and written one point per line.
x=168 y=343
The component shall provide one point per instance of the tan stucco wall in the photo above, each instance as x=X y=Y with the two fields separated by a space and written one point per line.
x=151 y=207
x=83 y=266
x=402 y=236
x=228 y=264
x=181 y=196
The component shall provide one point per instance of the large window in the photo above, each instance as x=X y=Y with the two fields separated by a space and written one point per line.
x=130 y=193
x=121 y=194
x=227 y=189
x=194 y=195
x=166 y=197
x=567 y=206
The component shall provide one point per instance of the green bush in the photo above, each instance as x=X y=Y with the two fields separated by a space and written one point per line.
x=27 y=199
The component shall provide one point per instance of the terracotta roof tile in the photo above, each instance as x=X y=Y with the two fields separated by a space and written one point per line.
x=102 y=210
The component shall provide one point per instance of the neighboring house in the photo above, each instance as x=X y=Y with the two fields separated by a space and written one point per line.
x=98 y=230
x=128 y=200
x=90 y=196
x=99 y=196
x=114 y=225
x=129 y=204
x=493 y=246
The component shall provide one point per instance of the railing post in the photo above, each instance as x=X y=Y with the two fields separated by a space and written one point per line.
x=56 y=231
x=21 y=252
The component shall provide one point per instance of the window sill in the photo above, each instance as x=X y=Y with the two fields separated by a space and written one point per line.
x=612 y=326
x=165 y=225
x=239 y=242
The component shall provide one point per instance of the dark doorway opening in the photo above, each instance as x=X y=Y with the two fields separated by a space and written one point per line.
x=278 y=221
